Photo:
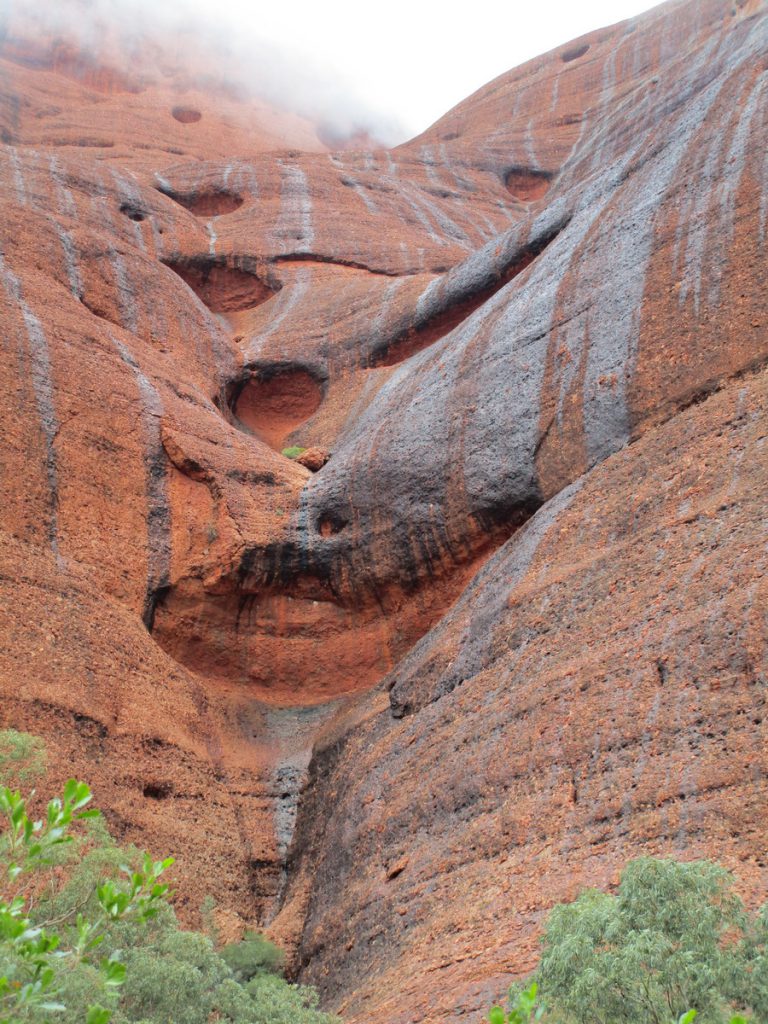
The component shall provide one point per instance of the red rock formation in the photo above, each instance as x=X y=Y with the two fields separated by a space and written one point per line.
x=130 y=101
x=534 y=340
x=313 y=458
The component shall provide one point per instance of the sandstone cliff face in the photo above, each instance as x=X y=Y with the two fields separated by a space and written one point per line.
x=513 y=632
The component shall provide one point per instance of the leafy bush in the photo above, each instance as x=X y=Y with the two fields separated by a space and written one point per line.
x=293 y=452
x=39 y=957
x=649 y=953
x=674 y=945
x=254 y=955
x=87 y=933
x=754 y=950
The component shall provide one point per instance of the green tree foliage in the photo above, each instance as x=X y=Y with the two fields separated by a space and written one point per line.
x=87 y=935
x=674 y=945
x=39 y=951
x=652 y=952
x=254 y=955
x=755 y=952
x=293 y=452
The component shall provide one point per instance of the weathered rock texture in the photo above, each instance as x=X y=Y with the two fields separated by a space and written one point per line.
x=513 y=632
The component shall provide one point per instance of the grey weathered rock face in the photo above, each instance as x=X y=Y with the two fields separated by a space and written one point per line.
x=597 y=693
x=572 y=709
x=558 y=369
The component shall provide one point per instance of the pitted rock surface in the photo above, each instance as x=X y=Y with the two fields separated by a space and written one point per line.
x=394 y=704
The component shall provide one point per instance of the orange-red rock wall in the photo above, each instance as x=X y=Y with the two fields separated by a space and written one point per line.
x=512 y=633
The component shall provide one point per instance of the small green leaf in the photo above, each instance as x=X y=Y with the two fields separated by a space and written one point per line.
x=689 y=1017
x=496 y=1015
x=97 y=1015
x=70 y=789
x=114 y=973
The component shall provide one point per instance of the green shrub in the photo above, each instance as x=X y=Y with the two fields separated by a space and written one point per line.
x=293 y=452
x=254 y=955
x=651 y=952
x=174 y=975
x=278 y=1002
x=674 y=945
x=87 y=935
x=48 y=958
x=755 y=954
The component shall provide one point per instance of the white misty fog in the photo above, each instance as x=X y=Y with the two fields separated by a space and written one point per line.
x=391 y=70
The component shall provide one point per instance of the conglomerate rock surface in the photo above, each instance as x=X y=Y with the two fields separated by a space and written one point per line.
x=513 y=632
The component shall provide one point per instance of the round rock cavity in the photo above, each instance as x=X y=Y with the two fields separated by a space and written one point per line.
x=275 y=401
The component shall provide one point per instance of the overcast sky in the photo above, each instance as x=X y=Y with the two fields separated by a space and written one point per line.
x=393 y=67
x=415 y=59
